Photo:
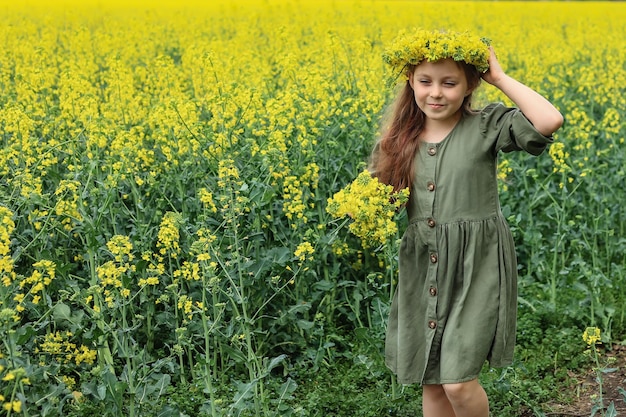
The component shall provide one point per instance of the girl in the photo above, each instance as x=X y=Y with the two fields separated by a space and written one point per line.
x=456 y=299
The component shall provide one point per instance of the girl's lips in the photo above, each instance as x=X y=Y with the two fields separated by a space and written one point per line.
x=435 y=106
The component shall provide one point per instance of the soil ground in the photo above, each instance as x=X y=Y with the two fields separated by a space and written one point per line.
x=588 y=390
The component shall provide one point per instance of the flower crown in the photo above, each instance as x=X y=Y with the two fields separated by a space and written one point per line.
x=419 y=45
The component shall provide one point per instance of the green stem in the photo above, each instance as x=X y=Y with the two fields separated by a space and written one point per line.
x=24 y=409
x=216 y=368
x=208 y=377
x=557 y=250
x=179 y=319
x=105 y=358
x=599 y=377
x=389 y=254
x=252 y=363
x=130 y=370
x=10 y=410
x=150 y=333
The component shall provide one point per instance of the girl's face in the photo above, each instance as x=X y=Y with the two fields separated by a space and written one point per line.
x=440 y=88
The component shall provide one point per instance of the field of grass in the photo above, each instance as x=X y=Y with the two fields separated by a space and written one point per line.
x=165 y=248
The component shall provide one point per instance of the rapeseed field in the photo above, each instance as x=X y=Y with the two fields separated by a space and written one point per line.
x=165 y=169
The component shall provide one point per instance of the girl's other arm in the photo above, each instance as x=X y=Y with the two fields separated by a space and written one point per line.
x=541 y=113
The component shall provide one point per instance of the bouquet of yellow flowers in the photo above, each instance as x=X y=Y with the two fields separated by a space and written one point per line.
x=371 y=205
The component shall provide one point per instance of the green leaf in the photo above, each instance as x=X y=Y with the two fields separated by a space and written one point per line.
x=611 y=411
x=244 y=392
x=305 y=324
x=156 y=383
x=61 y=312
x=285 y=391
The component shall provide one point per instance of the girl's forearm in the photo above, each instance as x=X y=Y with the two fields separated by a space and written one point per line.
x=541 y=113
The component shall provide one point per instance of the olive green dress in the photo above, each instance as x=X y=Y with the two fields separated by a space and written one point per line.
x=455 y=304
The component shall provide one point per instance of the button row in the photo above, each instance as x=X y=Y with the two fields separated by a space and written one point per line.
x=432 y=151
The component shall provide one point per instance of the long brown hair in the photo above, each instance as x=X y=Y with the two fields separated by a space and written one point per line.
x=394 y=152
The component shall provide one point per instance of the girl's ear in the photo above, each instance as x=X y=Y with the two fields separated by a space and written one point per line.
x=469 y=91
x=410 y=75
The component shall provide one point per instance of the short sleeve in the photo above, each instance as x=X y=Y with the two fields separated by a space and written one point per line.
x=509 y=130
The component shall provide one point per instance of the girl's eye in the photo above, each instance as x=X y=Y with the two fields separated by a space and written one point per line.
x=450 y=84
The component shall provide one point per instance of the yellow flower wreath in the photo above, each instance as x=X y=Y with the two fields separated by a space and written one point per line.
x=411 y=48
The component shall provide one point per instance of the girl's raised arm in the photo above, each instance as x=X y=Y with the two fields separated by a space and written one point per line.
x=541 y=113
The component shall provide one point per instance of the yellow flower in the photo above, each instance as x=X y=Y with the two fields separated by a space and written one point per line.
x=169 y=234
x=119 y=246
x=185 y=303
x=293 y=199
x=86 y=355
x=59 y=346
x=371 y=205
x=6 y=228
x=149 y=281
x=68 y=381
x=189 y=271
x=15 y=406
x=559 y=157
x=591 y=335
x=303 y=250
x=67 y=208
x=206 y=198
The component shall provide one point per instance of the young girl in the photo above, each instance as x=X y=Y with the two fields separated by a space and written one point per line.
x=456 y=299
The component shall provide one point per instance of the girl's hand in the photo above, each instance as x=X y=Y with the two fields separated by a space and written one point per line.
x=495 y=72
x=541 y=113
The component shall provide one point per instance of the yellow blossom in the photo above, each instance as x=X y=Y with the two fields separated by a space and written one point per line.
x=169 y=234
x=591 y=335
x=206 y=198
x=303 y=251
x=559 y=157
x=371 y=205
x=15 y=406
x=120 y=246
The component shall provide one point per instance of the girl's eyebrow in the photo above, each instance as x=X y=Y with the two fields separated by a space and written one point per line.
x=445 y=76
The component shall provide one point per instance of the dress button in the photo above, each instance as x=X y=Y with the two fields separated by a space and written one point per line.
x=430 y=186
x=432 y=151
x=432 y=324
x=433 y=291
x=431 y=222
x=433 y=258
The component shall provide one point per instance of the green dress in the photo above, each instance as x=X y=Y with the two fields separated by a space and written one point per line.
x=455 y=304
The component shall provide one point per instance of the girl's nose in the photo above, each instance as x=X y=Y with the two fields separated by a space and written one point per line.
x=435 y=91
